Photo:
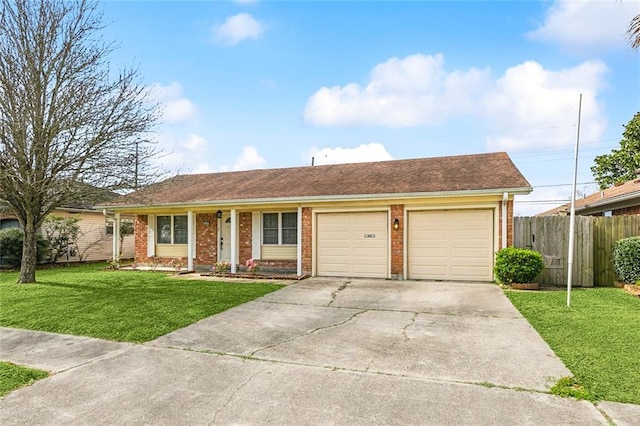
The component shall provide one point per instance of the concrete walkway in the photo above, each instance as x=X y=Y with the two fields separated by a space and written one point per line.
x=329 y=351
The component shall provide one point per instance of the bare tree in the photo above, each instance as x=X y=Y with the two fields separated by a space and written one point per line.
x=67 y=121
x=633 y=32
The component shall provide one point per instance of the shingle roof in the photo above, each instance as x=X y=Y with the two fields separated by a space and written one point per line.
x=478 y=172
x=602 y=200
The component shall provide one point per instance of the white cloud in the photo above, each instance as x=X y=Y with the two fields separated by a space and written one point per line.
x=361 y=154
x=201 y=167
x=403 y=92
x=194 y=143
x=587 y=24
x=530 y=106
x=237 y=28
x=515 y=107
x=248 y=159
x=176 y=108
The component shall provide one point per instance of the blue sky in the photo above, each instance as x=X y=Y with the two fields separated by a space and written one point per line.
x=263 y=84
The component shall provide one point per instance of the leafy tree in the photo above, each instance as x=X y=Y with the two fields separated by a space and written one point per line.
x=11 y=242
x=621 y=165
x=62 y=235
x=67 y=122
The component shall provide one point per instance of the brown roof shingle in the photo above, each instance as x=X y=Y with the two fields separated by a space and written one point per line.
x=477 y=172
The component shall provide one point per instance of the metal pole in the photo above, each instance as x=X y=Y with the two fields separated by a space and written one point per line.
x=572 y=220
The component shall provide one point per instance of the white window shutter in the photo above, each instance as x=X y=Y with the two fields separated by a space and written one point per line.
x=256 y=235
x=151 y=235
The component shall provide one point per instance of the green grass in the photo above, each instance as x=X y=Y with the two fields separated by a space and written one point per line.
x=14 y=376
x=128 y=306
x=598 y=337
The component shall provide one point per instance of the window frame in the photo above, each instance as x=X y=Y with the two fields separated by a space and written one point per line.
x=280 y=228
x=171 y=230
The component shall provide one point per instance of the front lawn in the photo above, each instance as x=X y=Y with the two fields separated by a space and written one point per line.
x=127 y=306
x=598 y=338
x=14 y=376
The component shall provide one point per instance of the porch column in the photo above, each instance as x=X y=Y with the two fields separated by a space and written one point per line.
x=299 y=242
x=191 y=240
x=116 y=236
x=234 y=242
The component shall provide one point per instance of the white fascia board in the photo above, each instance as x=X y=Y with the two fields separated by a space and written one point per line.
x=329 y=198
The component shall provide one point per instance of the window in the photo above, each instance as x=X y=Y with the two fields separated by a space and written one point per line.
x=289 y=228
x=280 y=228
x=171 y=229
x=9 y=223
x=270 y=228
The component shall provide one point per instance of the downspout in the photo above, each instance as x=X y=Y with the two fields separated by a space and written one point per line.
x=505 y=200
x=299 y=244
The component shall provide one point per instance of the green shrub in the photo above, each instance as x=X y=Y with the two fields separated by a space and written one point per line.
x=516 y=265
x=626 y=259
x=11 y=247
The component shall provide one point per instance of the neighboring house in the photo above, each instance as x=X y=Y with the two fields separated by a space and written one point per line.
x=96 y=234
x=430 y=218
x=620 y=200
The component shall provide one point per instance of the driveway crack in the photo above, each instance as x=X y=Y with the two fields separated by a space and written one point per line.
x=393 y=343
x=336 y=291
x=404 y=329
x=233 y=394
x=315 y=330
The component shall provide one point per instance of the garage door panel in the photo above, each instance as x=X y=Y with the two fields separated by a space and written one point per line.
x=451 y=245
x=352 y=244
x=479 y=235
x=470 y=253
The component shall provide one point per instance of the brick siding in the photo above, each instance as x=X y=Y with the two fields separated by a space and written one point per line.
x=141 y=238
x=509 y=224
x=397 y=241
x=627 y=211
x=307 y=240
x=206 y=239
x=245 y=237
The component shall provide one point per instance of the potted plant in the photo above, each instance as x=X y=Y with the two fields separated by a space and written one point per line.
x=518 y=268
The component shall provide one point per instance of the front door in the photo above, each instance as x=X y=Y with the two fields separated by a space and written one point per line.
x=225 y=238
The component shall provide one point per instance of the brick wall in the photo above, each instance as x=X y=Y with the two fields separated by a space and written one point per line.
x=206 y=239
x=509 y=224
x=141 y=238
x=244 y=237
x=627 y=211
x=397 y=241
x=307 y=240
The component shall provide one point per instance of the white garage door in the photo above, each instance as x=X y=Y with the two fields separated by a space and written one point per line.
x=451 y=245
x=352 y=244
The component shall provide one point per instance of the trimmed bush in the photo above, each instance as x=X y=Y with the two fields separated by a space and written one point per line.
x=626 y=259
x=516 y=265
x=11 y=247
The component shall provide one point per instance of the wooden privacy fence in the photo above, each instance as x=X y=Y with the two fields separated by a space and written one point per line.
x=594 y=241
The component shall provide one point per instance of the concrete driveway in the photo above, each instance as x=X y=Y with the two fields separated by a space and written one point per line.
x=322 y=351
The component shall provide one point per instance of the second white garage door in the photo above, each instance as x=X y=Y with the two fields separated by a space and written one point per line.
x=451 y=245
x=352 y=244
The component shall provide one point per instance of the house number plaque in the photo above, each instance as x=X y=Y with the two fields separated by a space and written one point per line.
x=369 y=235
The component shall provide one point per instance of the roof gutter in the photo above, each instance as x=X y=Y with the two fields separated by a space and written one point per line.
x=330 y=198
